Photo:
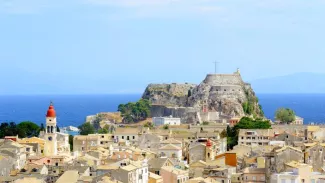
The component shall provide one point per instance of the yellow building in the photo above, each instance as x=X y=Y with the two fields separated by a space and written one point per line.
x=154 y=178
x=31 y=141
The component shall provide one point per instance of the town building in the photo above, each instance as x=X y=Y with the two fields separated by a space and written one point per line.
x=159 y=121
x=135 y=172
x=174 y=175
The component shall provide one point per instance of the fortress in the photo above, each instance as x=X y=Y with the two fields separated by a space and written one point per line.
x=219 y=97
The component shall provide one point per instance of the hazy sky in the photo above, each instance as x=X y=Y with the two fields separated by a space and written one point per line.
x=119 y=46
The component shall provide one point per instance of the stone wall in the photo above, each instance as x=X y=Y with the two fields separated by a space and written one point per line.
x=223 y=79
x=187 y=114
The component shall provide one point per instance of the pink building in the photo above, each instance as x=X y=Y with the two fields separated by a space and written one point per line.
x=173 y=175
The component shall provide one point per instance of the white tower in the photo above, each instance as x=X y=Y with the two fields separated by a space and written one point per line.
x=50 y=147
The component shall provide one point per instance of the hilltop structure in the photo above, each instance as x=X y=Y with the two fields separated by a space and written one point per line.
x=219 y=97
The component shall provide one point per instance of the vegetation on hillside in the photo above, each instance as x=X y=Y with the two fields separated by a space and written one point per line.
x=285 y=115
x=23 y=129
x=251 y=106
x=244 y=123
x=86 y=129
x=134 y=112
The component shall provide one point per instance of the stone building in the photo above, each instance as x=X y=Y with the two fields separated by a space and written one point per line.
x=275 y=161
x=315 y=156
x=205 y=151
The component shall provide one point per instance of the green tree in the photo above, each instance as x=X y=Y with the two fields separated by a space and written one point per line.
x=148 y=125
x=134 y=112
x=244 y=123
x=57 y=128
x=285 y=115
x=223 y=134
x=86 y=129
x=27 y=129
x=205 y=123
x=103 y=131
x=166 y=127
x=71 y=142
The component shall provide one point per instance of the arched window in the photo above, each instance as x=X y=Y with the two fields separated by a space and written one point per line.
x=208 y=155
x=48 y=129
x=51 y=129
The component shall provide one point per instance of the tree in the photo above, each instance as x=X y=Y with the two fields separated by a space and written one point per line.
x=86 y=129
x=166 y=127
x=134 y=112
x=148 y=125
x=244 y=123
x=285 y=115
x=57 y=128
x=27 y=129
x=71 y=142
x=223 y=134
x=103 y=131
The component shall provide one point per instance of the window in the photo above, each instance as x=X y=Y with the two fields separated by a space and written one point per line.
x=102 y=136
x=101 y=142
x=122 y=137
x=178 y=181
x=157 y=172
x=254 y=178
x=242 y=137
x=91 y=174
x=222 y=181
x=312 y=180
x=56 y=164
x=302 y=180
x=133 y=137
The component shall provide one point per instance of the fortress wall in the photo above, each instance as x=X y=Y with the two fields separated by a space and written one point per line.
x=187 y=114
x=223 y=79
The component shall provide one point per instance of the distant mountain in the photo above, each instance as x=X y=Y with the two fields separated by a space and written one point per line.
x=294 y=83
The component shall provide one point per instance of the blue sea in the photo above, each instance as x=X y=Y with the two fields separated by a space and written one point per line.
x=73 y=109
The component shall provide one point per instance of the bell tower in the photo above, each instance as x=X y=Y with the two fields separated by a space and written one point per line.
x=50 y=147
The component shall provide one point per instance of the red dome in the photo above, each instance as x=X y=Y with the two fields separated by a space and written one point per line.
x=208 y=144
x=51 y=112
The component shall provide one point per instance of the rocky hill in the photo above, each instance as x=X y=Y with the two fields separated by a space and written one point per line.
x=217 y=97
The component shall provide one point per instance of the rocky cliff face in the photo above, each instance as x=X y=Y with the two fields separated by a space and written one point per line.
x=226 y=94
x=168 y=94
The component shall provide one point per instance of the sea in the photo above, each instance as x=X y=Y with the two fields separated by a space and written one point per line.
x=73 y=109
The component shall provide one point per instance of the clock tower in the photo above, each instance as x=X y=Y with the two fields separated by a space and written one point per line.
x=50 y=147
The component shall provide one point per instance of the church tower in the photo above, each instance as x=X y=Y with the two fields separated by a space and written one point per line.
x=50 y=147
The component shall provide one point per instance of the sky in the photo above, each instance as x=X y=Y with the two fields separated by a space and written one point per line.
x=120 y=46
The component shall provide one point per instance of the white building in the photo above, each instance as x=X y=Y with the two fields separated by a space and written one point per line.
x=299 y=173
x=135 y=172
x=158 y=121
